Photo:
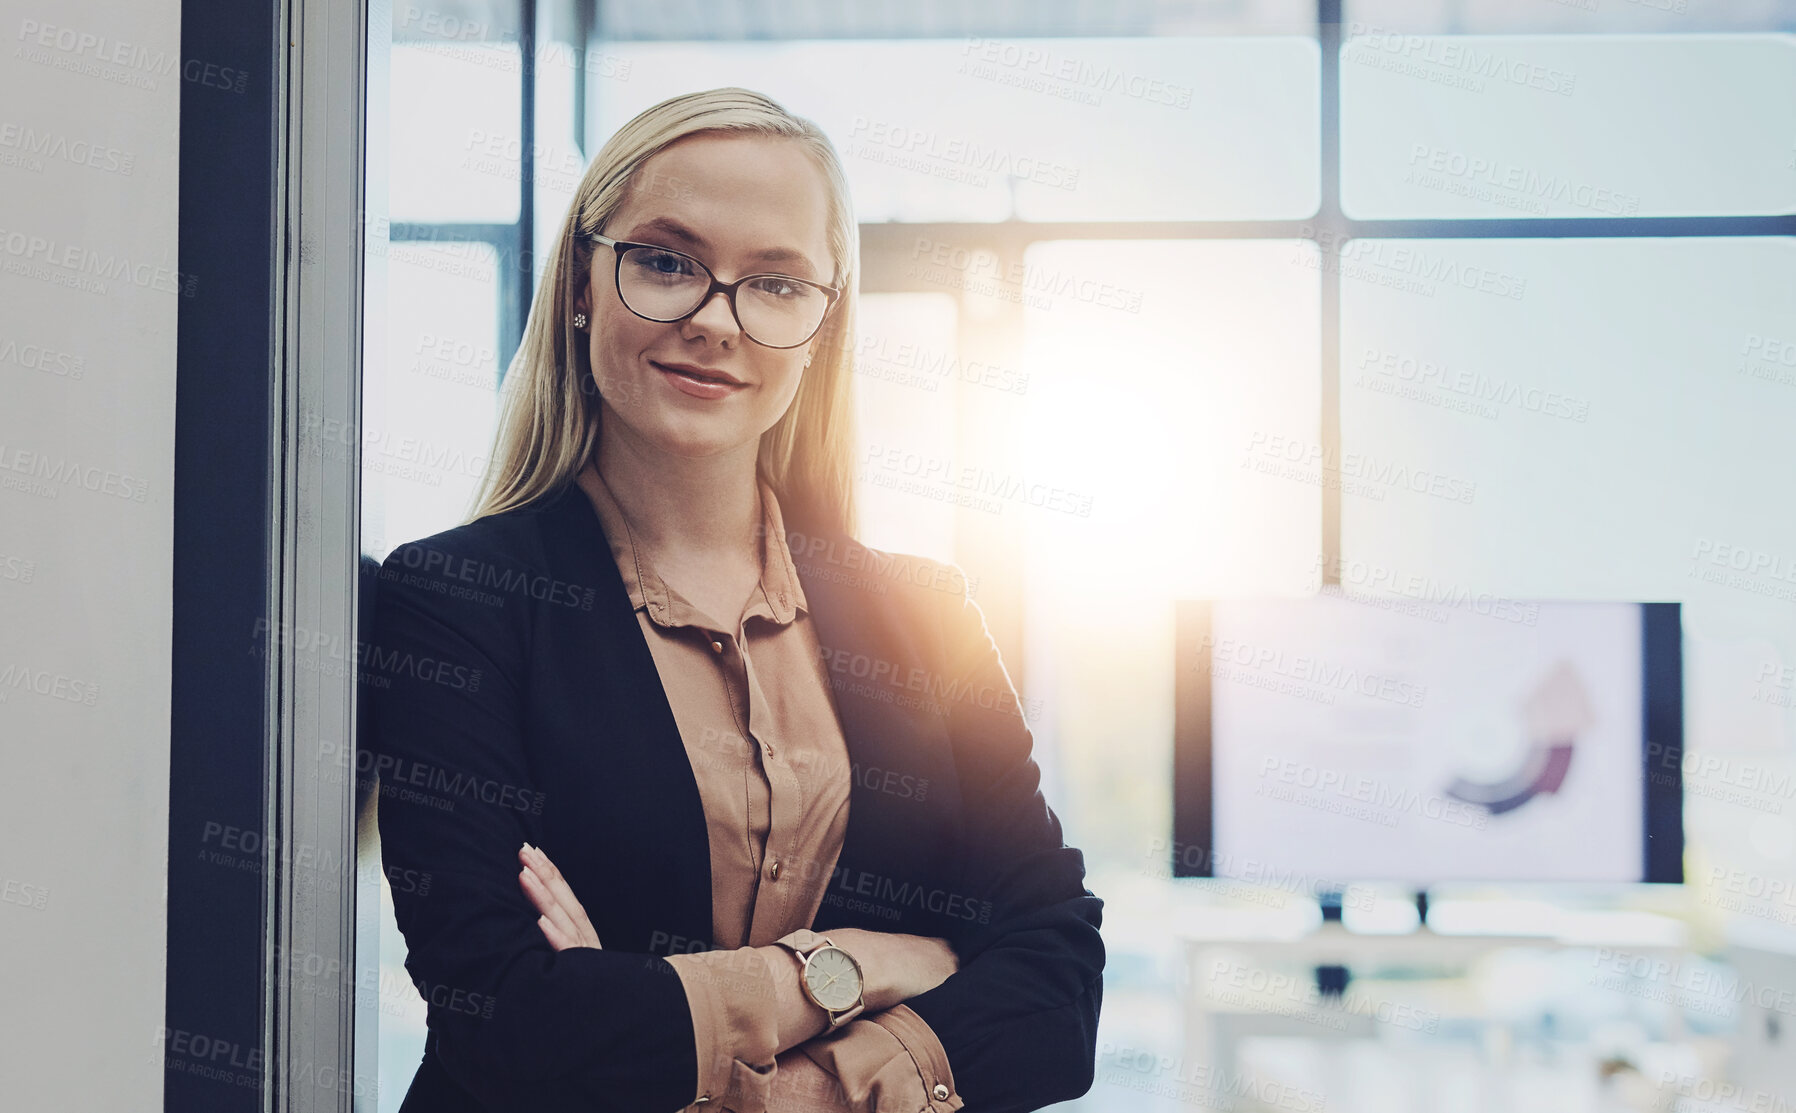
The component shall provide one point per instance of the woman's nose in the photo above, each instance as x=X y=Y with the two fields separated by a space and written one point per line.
x=715 y=317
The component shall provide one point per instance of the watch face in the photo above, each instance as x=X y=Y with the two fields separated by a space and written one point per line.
x=834 y=979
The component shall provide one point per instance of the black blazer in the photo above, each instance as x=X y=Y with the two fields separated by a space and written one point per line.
x=512 y=697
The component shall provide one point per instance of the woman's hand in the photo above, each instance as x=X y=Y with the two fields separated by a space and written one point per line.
x=894 y=966
x=563 y=921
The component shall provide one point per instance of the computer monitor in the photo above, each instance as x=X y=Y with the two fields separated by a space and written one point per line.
x=1335 y=739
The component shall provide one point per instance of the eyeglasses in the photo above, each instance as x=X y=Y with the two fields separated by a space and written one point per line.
x=773 y=310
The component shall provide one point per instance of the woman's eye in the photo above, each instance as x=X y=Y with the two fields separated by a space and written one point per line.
x=662 y=262
x=778 y=287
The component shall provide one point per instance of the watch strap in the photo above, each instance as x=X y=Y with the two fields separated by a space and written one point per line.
x=803 y=941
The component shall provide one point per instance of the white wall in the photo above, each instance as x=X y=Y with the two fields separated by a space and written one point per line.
x=89 y=113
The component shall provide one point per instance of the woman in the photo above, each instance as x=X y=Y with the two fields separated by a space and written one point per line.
x=712 y=807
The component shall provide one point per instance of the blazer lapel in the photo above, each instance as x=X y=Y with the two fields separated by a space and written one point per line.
x=904 y=801
x=634 y=828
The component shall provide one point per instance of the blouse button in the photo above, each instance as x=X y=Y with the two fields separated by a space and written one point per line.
x=774 y=873
x=717 y=647
x=940 y=1092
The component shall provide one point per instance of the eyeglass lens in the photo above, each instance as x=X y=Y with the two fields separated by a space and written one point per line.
x=666 y=286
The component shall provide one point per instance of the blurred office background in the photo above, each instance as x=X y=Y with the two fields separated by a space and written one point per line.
x=1217 y=272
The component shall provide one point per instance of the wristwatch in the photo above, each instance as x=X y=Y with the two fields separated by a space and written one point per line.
x=829 y=975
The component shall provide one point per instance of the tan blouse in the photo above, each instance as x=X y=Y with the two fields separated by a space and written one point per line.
x=755 y=710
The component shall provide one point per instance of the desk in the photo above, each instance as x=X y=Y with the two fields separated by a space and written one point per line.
x=1247 y=989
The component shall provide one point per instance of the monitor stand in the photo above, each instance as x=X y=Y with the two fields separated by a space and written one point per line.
x=1332 y=979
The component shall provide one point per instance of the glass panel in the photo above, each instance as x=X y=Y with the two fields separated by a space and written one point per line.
x=1165 y=417
x=723 y=20
x=1527 y=421
x=1575 y=126
x=907 y=369
x=455 y=131
x=1030 y=129
x=439 y=404
x=1166 y=380
x=1423 y=17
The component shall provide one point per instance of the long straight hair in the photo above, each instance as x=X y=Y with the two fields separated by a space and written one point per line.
x=549 y=416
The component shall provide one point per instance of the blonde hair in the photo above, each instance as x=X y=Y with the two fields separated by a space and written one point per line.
x=548 y=423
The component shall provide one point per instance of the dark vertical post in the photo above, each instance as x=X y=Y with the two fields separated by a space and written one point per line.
x=225 y=407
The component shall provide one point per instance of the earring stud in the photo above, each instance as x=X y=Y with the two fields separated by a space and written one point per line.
x=579 y=320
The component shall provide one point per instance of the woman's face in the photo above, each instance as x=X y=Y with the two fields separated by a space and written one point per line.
x=740 y=205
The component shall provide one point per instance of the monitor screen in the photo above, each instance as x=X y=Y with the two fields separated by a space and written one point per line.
x=1348 y=738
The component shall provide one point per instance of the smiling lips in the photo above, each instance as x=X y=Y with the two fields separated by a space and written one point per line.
x=699 y=382
x=703 y=374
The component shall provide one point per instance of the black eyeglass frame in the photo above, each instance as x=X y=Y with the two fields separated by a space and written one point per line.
x=728 y=288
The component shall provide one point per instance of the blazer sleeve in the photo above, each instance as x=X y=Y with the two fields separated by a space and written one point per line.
x=518 y=1024
x=1019 y=1019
